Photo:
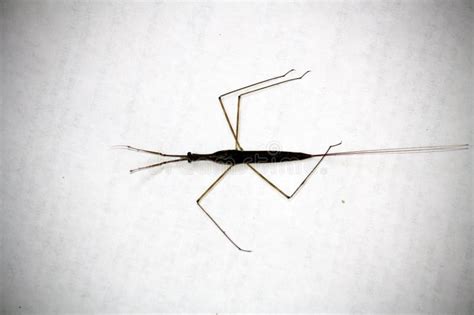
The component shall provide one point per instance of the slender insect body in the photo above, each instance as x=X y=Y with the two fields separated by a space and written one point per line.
x=248 y=158
x=233 y=157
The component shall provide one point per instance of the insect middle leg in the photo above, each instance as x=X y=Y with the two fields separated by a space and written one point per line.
x=304 y=180
x=237 y=144
x=209 y=216
x=253 y=91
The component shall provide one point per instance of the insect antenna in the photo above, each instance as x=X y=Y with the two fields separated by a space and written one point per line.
x=156 y=165
x=130 y=148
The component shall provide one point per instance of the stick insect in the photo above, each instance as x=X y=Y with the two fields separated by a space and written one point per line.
x=247 y=158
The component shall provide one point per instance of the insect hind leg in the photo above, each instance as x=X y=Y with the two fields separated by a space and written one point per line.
x=289 y=196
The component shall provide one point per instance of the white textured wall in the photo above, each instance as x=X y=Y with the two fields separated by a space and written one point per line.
x=366 y=234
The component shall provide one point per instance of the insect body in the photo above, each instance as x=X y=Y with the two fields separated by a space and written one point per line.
x=233 y=157
x=239 y=156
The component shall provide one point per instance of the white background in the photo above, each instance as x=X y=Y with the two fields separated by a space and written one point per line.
x=380 y=233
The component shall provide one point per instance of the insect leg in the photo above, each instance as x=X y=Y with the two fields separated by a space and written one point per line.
x=268 y=181
x=237 y=144
x=304 y=180
x=210 y=217
x=255 y=90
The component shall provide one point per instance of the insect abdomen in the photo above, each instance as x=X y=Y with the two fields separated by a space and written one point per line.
x=232 y=157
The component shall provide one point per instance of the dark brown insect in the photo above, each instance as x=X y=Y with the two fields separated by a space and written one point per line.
x=240 y=156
